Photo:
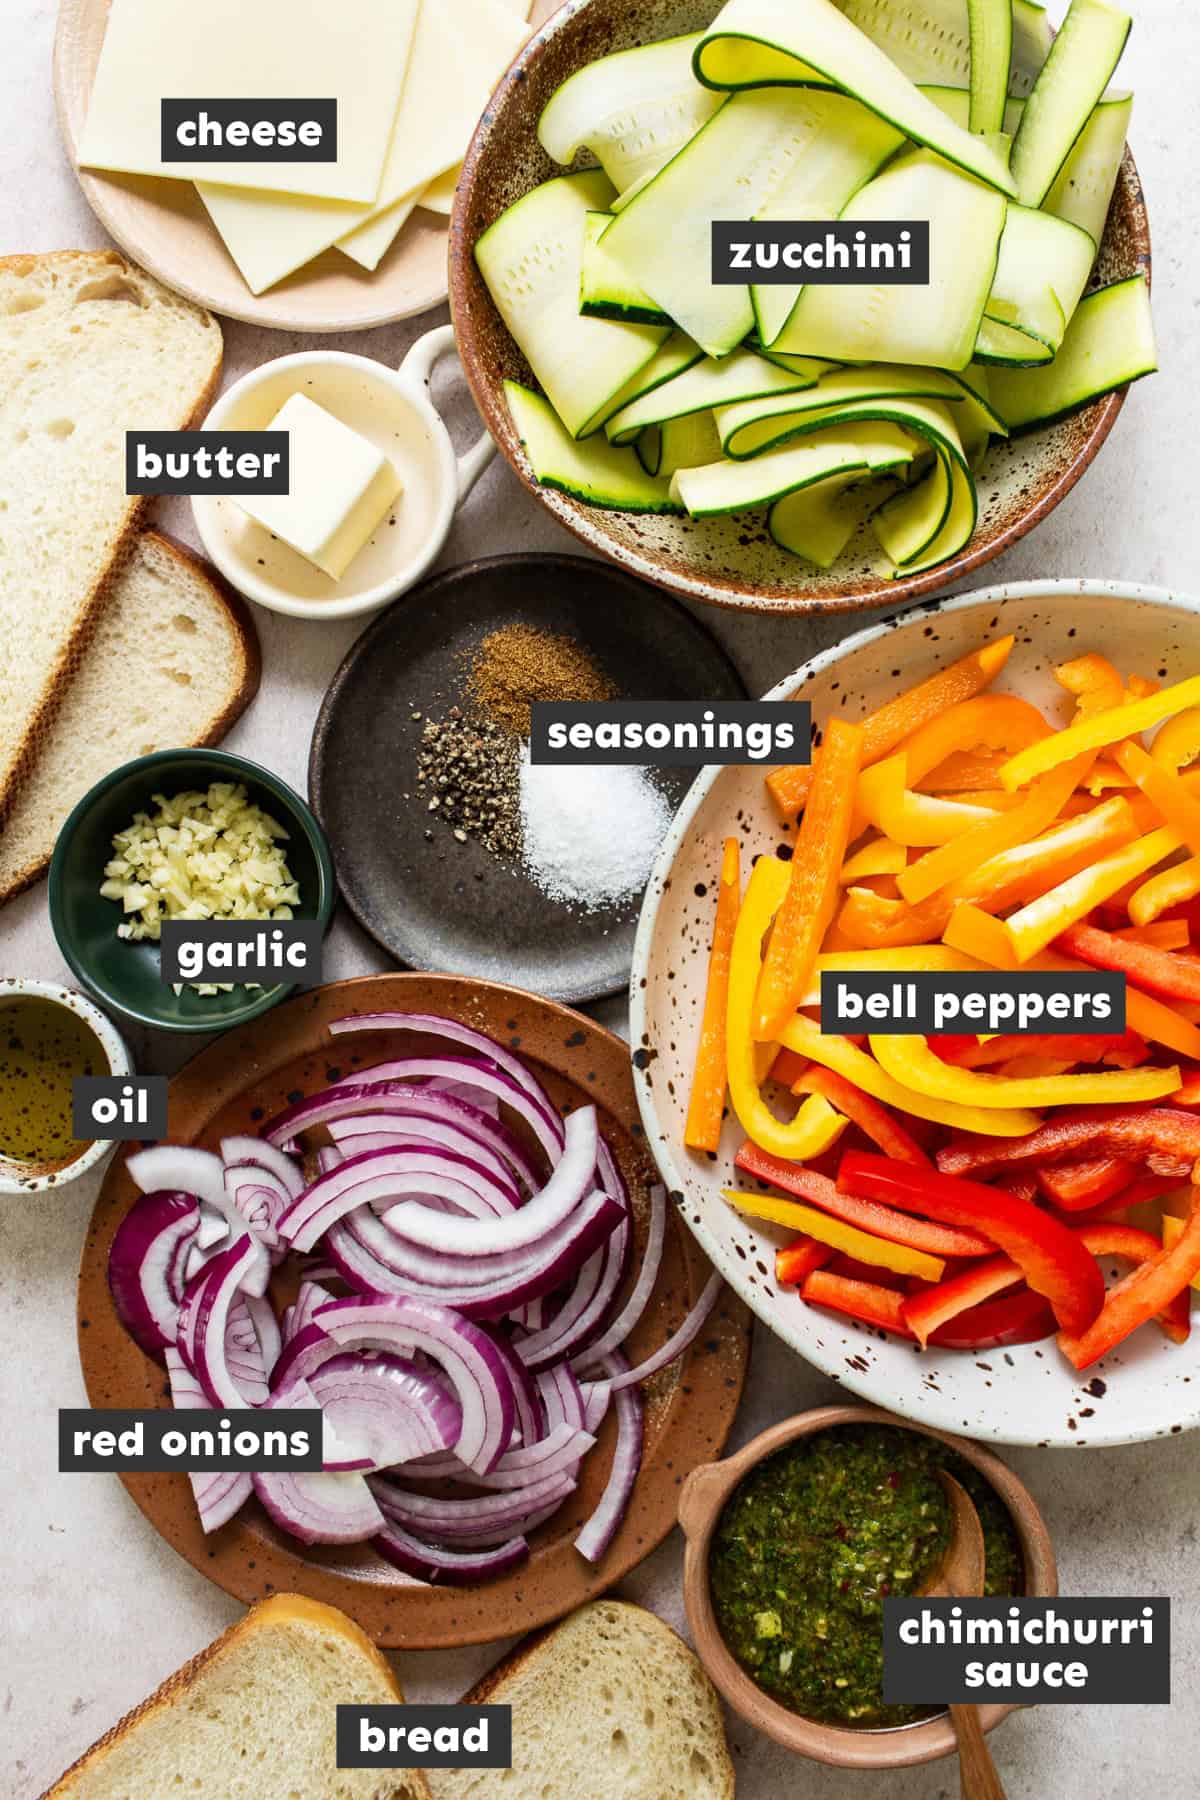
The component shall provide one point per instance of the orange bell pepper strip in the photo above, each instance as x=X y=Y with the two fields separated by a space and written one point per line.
x=964 y=771
x=880 y=857
x=1172 y=1230
x=1098 y=731
x=1166 y=934
x=796 y=1261
x=862 y=1245
x=867 y=1215
x=1165 y=1137
x=1093 y=681
x=1161 y=972
x=706 y=1107
x=910 y=1061
x=885 y=730
x=1177 y=745
x=951 y=862
x=928 y=1312
x=864 y=1300
x=873 y=1119
x=1079 y=1187
x=811 y=900
x=1146 y=1291
x=997 y=721
x=1137 y=1246
x=1172 y=800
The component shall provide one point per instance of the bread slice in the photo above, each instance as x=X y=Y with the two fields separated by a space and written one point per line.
x=251 y=1718
x=609 y=1705
x=173 y=662
x=90 y=347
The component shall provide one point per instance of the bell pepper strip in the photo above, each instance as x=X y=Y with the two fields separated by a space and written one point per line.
x=1093 y=681
x=1036 y=813
x=905 y=959
x=816 y=1125
x=1169 y=888
x=837 y=1053
x=1137 y=1246
x=706 y=1106
x=867 y=1215
x=1098 y=731
x=964 y=772
x=937 y=1306
x=1148 y=1017
x=1125 y=1049
x=1054 y=1262
x=1188 y=1092
x=1145 y=1292
x=1078 y=1187
x=862 y=1300
x=796 y=1261
x=872 y=1118
x=1140 y=687
x=837 y=1234
x=1172 y=1231
x=885 y=801
x=1175 y=804
x=993 y=721
x=1161 y=972
x=813 y=890
x=880 y=857
x=1020 y=1318
x=1177 y=745
x=1164 y=934
x=912 y=1063
x=1165 y=1137
x=885 y=730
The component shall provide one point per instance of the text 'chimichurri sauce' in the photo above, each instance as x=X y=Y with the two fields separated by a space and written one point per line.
x=814 y=1540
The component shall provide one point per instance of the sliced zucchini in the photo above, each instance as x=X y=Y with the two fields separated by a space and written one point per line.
x=751 y=427
x=991 y=31
x=677 y=444
x=742 y=376
x=1084 y=189
x=1110 y=341
x=677 y=354
x=1042 y=270
x=532 y=261
x=751 y=42
x=1005 y=347
x=818 y=522
x=1078 y=69
x=931 y=521
x=633 y=111
x=977 y=420
x=595 y=471
x=930 y=40
x=956 y=104
x=604 y=291
x=726 y=487
x=935 y=326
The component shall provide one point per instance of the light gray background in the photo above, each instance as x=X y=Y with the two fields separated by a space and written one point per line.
x=97 y=1609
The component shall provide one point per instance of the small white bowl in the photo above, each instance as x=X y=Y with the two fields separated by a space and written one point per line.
x=114 y=1048
x=390 y=407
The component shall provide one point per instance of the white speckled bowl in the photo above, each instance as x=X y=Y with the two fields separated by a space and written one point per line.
x=1028 y=1395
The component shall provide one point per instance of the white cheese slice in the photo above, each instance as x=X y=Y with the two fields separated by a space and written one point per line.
x=438 y=197
x=353 y=51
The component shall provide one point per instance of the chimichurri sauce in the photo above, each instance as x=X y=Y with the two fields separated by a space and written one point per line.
x=815 y=1539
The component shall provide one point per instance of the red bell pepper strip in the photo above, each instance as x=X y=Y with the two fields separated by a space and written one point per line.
x=1147 y=1290
x=873 y=1118
x=1020 y=1318
x=924 y=1313
x=1162 y=972
x=864 y=1300
x=1189 y=1093
x=1144 y=1188
x=788 y=1068
x=880 y=1221
x=1138 y=1247
x=1054 y=1262
x=1077 y=1186
x=795 y=1261
x=1166 y=1138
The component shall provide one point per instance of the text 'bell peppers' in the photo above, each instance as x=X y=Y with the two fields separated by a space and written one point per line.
x=1159 y=1135
x=1101 y=729
x=1146 y=1291
x=873 y=1119
x=838 y=1235
x=910 y=1060
x=1053 y=1261
x=1162 y=972
x=864 y=1300
x=707 y=1103
x=924 y=1313
x=868 y=1215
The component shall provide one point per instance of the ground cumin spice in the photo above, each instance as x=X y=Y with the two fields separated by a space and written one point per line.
x=519 y=664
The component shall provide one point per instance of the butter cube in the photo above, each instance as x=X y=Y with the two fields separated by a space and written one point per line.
x=341 y=486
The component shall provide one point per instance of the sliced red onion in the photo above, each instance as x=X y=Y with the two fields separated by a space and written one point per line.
x=218 y=1497
x=243 y=1355
x=184 y=1169
x=323 y=1508
x=432 y=1025
x=379 y=1132
x=501 y=1513
x=459 y=1090
x=145 y=1267
x=214 y=1227
x=605 y=1522
x=329 y=1157
x=630 y=1314
x=453 y=1568
x=530 y=1422
x=266 y=1329
x=691 y=1328
x=309 y=1296
x=388 y=1175
x=596 y=1396
x=305 y=1351
x=561 y=1397
x=260 y=1199
x=387 y=1406
x=430 y=1066
x=559 y=1453
x=204 y=1315
x=267 y=1156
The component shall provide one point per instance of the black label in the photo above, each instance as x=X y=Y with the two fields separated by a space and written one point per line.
x=820 y=252
x=202 y=1442
x=671 y=734
x=1111 y=1652
x=266 y=131
x=123 y=1108
x=424 y=1737
x=265 y=953
x=933 y=1005
x=208 y=462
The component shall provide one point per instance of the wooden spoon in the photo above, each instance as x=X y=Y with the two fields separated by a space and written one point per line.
x=960 y=1575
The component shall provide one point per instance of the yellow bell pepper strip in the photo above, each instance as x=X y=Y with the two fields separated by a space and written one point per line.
x=813 y=891
x=838 y=1235
x=885 y=730
x=816 y=1125
x=1177 y=745
x=1038 y=923
x=911 y=1062
x=1146 y=1291
x=839 y=1054
x=994 y=721
x=952 y=861
x=885 y=801
x=706 y=1106
x=1098 y=731
x=874 y=1120
x=880 y=857
x=1172 y=1231
x=1163 y=892
x=1172 y=800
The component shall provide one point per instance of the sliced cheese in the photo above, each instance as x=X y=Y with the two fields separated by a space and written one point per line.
x=438 y=197
x=355 y=52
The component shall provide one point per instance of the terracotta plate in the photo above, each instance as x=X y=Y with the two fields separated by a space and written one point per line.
x=244 y=1078
x=731 y=561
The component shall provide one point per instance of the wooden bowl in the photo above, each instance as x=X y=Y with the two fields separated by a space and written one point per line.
x=731 y=561
x=701 y=1503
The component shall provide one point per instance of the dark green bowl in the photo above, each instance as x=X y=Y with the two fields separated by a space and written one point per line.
x=124 y=975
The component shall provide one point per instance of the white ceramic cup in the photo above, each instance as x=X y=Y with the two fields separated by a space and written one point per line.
x=391 y=407
x=12 y=1180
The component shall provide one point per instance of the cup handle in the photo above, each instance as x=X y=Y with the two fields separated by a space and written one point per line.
x=417 y=370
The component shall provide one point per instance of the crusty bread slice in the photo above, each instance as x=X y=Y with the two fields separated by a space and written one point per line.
x=609 y=1705
x=173 y=662
x=251 y=1718
x=90 y=347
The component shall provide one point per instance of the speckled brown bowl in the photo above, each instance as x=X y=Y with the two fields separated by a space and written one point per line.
x=730 y=561
x=701 y=1503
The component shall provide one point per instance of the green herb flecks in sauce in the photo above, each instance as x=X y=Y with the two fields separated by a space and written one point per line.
x=43 y=1047
x=816 y=1538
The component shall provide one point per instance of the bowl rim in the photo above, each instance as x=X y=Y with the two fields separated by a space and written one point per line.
x=588 y=525
x=119 y=1063
x=665 y=1151
x=702 y=1499
x=221 y=762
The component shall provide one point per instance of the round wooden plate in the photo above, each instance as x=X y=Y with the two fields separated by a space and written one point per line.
x=163 y=225
x=245 y=1077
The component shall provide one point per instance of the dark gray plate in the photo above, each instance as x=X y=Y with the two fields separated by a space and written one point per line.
x=452 y=907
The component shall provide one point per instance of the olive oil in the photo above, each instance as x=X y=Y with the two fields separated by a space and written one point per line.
x=43 y=1047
